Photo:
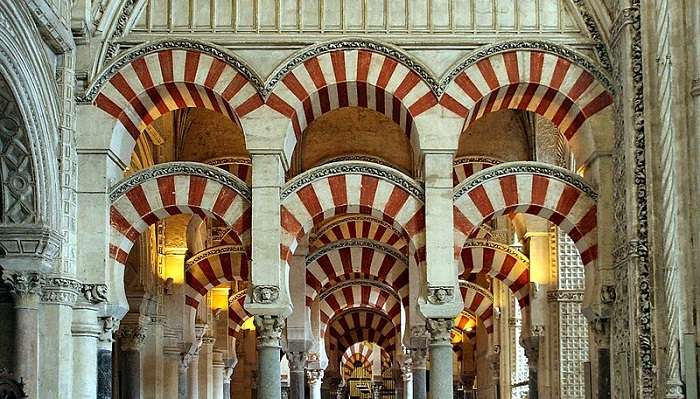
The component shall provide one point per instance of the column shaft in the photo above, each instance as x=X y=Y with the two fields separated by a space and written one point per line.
x=104 y=374
x=206 y=383
x=440 y=357
x=269 y=330
x=171 y=375
x=296 y=384
x=315 y=378
x=85 y=331
x=218 y=381
x=130 y=372
x=182 y=380
x=193 y=378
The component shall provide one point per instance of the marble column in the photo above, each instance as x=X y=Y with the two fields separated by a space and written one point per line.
x=26 y=288
x=104 y=358
x=419 y=364
x=407 y=379
x=171 y=373
x=228 y=372
x=315 y=379
x=440 y=357
x=206 y=357
x=182 y=375
x=131 y=338
x=217 y=379
x=269 y=331
x=193 y=377
x=86 y=332
x=532 y=351
x=297 y=363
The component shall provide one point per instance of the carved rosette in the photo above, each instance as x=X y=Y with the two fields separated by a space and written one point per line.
x=439 y=295
x=25 y=287
x=297 y=361
x=314 y=376
x=266 y=294
x=269 y=329
x=439 y=331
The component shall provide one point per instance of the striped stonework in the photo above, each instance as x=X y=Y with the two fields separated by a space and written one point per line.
x=538 y=81
x=160 y=77
x=498 y=261
x=478 y=301
x=359 y=352
x=466 y=166
x=170 y=189
x=237 y=315
x=550 y=192
x=241 y=167
x=358 y=325
x=362 y=258
x=212 y=267
x=360 y=226
x=336 y=78
x=352 y=187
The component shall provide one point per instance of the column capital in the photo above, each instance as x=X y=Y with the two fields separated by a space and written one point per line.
x=419 y=358
x=61 y=290
x=131 y=336
x=297 y=361
x=269 y=329
x=314 y=376
x=439 y=330
x=108 y=325
x=25 y=287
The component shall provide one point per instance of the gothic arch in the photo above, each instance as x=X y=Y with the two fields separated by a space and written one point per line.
x=478 y=301
x=498 y=261
x=351 y=187
x=212 y=267
x=346 y=73
x=159 y=77
x=548 y=79
x=346 y=258
x=547 y=191
x=170 y=189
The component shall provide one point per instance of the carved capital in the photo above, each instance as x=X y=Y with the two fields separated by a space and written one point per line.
x=108 y=325
x=95 y=293
x=297 y=361
x=61 y=291
x=314 y=376
x=265 y=294
x=438 y=295
x=25 y=287
x=439 y=330
x=418 y=359
x=131 y=337
x=532 y=350
x=269 y=329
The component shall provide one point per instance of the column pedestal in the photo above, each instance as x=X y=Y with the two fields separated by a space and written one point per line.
x=269 y=330
x=297 y=362
x=315 y=378
x=440 y=357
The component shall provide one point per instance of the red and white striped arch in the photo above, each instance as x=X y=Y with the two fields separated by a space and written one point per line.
x=550 y=192
x=498 y=261
x=466 y=166
x=349 y=77
x=359 y=352
x=357 y=325
x=237 y=315
x=466 y=320
x=360 y=295
x=351 y=187
x=170 y=189
x=478 y=301
x=347 y=258
x=157 y=78
x=212 y=267
x=537 y=81
x=360 y=226
x=241 y=167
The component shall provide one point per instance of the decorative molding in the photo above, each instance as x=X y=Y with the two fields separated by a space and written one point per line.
x=181 y=168
x=228 y=161
x=207 y=253
x=349 y=44
x=265 y=294
x=28 y=246
x=357 y=242
x=440 y=295
x=353 y=167
x=513 y=168
x=61 y=291
x=354 y=282
x=695 y=88
x=314 y=376
x=269 y=330
x=95 y=293
x=112 y=48
x=476 y=159
x=601 y=49
x=439 y=330
x=525 y=45
x=168 y=44
x=481 y=290
x=471 y=243
x=565 y=296
x=363 y=158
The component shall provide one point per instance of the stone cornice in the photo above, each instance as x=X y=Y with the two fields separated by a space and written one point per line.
x=476 y=159
x=524 y=167
x=354 y=167
x=27 y=247
x=357 y=242
x=181 y=168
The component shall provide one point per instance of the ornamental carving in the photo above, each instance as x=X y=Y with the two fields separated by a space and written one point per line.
x=357 y=242
x=314 y=376
x=418 y=359
x=59 y=290
x=476 y=287
x=524 y=167
x=297 y=361
x=565 y=296
x=95 y=293
x=439 y=330
x=269 y=330
x=131 y=337
x=266 y=294
x=16 y=164
x=23 y=284
x=439 y=295
x=353 y=167
x=218 y=250
x=181 y=168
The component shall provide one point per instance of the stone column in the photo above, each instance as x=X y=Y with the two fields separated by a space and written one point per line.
x=206 y=383
x=269 y=330
x=104 y=358
x=193 y=377
x=182 y=377
x=171 y=359
x=407 y=379
x=26 y=288
x=440 y=357
x=228 y=371
x=297 y=362
x=217 y=380
x=419 y=364
x=315 y=379
x=532 y=351
x=131 y=338
x=86 y=329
